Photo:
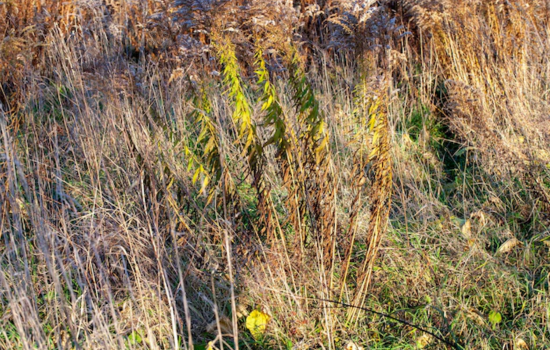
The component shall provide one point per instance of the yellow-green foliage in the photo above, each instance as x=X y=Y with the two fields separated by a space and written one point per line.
x=209 y=143
x=271 y=106
x=311 y=119
x=242 y=111
x=104 y=242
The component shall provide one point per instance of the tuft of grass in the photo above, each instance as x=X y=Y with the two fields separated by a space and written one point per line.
x=167 y=167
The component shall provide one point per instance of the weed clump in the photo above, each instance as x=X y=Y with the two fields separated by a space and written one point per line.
x=174 y=174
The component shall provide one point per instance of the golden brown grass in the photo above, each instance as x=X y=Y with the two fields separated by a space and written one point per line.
x=166 y=167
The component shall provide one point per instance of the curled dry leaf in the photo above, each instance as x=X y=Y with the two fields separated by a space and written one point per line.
x=520 y=344
x=225 y=326
x=352 y=346
x=423 y=341
x=507 y=246
x=467 y=229
x=242 y=310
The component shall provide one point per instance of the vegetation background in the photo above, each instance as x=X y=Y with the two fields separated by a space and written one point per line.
x=168 y=166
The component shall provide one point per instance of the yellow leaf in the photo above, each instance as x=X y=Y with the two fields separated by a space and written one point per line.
x=196 y=176
x=256 y=323
x=205 y=183
x=372 y=121
x=170 y=183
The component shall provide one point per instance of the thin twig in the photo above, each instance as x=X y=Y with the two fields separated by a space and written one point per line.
x=453 y=344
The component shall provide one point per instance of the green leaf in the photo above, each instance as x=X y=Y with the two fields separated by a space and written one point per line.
x=495 y=318
x=135 y=338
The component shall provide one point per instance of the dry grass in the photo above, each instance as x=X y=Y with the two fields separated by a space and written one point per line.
x=168 y=166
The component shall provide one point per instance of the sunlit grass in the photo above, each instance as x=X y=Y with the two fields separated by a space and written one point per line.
x=154 y=189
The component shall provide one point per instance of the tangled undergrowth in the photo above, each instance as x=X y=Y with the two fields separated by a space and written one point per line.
x=208 y=174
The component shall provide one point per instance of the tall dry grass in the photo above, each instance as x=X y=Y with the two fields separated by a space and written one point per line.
x=169 y=166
